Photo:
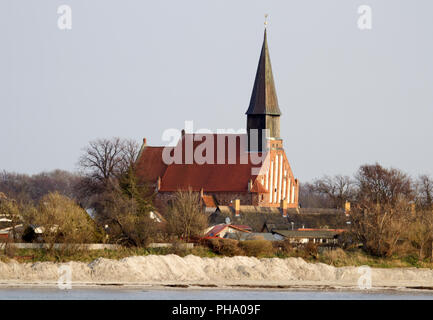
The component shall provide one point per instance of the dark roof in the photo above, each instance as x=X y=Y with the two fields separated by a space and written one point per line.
x=246 y=209
x=323 y=234
x=252 y=236
x=264 y=97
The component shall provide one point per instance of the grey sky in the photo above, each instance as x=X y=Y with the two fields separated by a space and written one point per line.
x=135 y=68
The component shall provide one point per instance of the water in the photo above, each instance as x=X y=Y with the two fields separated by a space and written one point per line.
x=191 y=294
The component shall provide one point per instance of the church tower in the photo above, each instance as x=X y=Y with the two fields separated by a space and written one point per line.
x=263 y=112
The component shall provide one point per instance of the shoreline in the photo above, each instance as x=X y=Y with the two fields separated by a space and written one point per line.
x=234 y=287
x=171 y=272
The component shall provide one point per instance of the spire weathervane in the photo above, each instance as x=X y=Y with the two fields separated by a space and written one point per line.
x=266 y=20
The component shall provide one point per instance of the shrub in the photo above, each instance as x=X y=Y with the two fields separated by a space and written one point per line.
x=226 y=247
x=335 y=257
x=284 y=247
x=309 y=250
x=257 y=248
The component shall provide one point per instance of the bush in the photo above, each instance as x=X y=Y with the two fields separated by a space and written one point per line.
x=309 y=250
x=335 y=256
x=257 y=248
x=225 y=247
x=283 y=247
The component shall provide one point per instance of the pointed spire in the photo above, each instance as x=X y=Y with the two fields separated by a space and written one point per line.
x=264 y=97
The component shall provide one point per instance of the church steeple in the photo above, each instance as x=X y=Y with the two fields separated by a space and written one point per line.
x=264 y=97
x=263 y=112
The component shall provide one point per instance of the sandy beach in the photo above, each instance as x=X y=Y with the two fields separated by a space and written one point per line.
x=172 y=271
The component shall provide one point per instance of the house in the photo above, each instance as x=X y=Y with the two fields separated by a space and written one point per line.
x=300 y=236
x=251 y=167
x=226 y=231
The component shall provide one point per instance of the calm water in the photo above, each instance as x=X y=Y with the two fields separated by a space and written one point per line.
x=178 y=294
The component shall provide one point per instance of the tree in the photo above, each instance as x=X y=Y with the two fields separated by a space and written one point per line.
x=424 y=192
x=61 y=220
x=384 y=186
x=185 y=217
x=129 y=223
x=338 y=189
x=107 y=159
x=380 y=226
x=9 y=209
x=30 y=189
x=420 y=231
x=310 y=198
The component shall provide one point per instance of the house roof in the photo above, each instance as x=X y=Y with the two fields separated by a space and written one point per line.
x=253 y=236
x=249 y=209
x=264 y=97
x=216 y=230
x=323 y=234
x=209 y=201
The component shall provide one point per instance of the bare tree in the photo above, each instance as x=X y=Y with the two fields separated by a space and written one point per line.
x=185 y=217
x=420 y=232
x=380 y=185
x=310 y=198
x=338 y=189
x=379 y=227
x=424 y=192
x=106 y=159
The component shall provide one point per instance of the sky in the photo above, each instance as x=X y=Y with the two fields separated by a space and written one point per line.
x=135 y=68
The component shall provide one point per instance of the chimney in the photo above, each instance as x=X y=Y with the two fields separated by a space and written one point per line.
x=144 y=142
x=237 y=207
x=347 y=208
x=413 y=208
x=183 y=132
x=284 y=207
x=158 y=184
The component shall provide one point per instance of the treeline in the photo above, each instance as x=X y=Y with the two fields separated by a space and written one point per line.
x=370 y=182
x=391 y=213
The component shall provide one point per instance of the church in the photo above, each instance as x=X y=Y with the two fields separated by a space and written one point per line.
x=240 y=169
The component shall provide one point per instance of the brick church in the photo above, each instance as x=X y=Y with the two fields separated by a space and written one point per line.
x=224 y=180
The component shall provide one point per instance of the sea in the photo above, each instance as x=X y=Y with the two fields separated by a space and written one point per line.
x=203 y=294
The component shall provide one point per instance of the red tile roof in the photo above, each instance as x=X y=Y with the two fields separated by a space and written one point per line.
x=150 y=165
x=209 y=201
x=209 y=177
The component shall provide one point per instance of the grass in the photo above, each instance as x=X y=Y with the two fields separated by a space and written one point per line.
x=337 y=257
x=42 y=255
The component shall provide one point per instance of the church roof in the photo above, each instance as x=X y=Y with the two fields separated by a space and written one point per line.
x=264 y=97
x=226 y=177
x=149 y=164
x=211 y=177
